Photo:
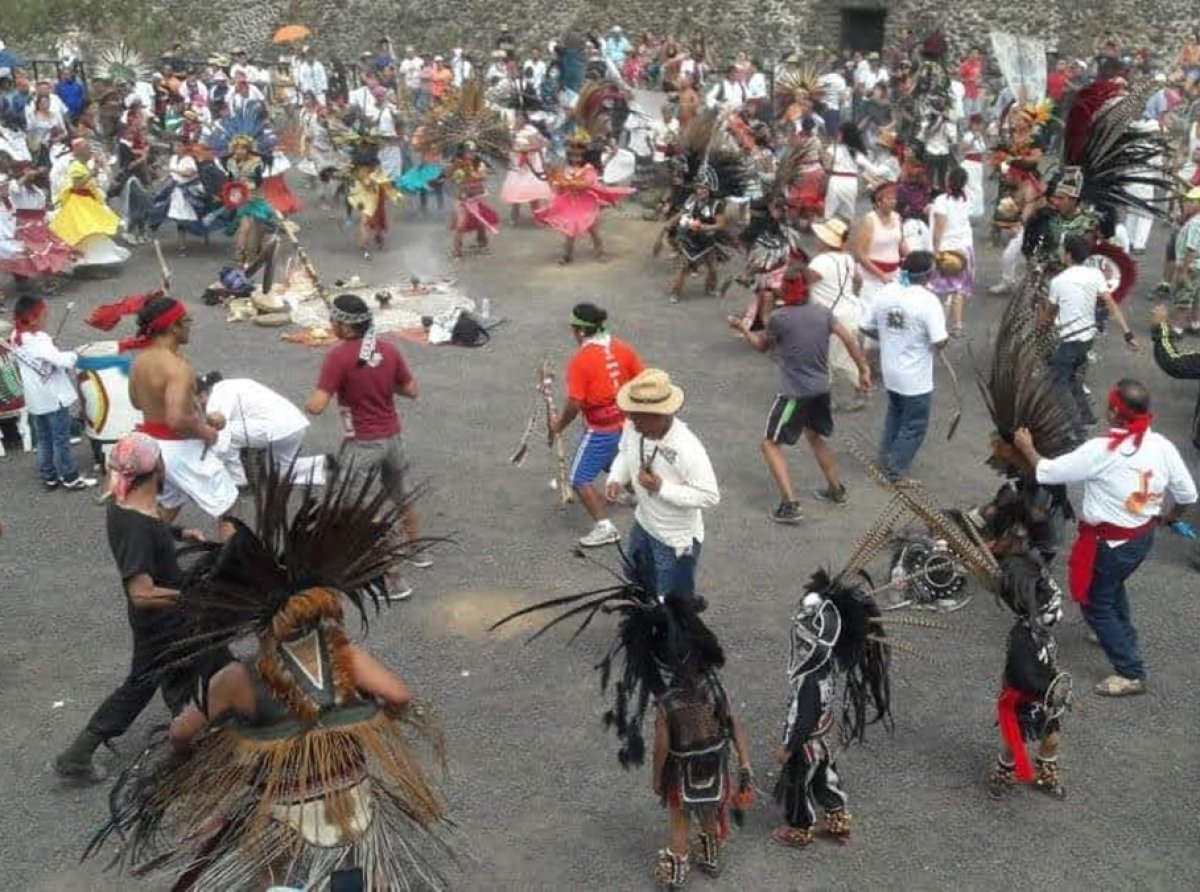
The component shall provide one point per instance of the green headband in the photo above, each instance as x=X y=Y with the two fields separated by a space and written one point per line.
x=576 y=322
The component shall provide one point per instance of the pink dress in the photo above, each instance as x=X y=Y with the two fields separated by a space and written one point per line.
x=526 y=179
x=578 y=197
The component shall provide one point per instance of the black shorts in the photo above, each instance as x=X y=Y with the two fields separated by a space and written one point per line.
x=791 y=415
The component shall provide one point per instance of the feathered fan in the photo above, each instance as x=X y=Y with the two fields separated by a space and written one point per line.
x=464 y=117
x=655 y=640
x=703 y=144
x=120 y=64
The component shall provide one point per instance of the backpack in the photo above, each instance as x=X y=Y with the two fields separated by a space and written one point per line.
x=468 y=331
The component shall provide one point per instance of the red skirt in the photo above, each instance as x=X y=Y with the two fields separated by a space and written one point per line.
x=477 y=216
x=45 y=253
x=279 y=196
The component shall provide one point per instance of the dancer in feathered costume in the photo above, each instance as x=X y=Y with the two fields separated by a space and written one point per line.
x=579 y=193
x=1034 y=693
x=245 y=143
x=667 y=657
x=1108 y=163
x=369 y=194
x=428 y=176
x=835 y=636
x=463 y=123
x=698 y=231
x=298 y=765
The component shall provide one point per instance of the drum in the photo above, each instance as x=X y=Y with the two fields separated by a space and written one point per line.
x=108 y=413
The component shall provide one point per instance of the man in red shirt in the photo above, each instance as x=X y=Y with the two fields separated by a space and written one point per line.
x=970 y=72
x=594 y=375
x=1056 y=81
x=366 y=375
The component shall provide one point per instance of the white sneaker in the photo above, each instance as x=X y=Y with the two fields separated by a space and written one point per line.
x=605 y=532
x=1000 y=288
x=80 y=482
x=421 y=561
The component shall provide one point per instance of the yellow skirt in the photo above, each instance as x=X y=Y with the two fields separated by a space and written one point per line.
x=82 y=216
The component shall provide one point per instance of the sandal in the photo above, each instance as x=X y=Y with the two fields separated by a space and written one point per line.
x=793 y=837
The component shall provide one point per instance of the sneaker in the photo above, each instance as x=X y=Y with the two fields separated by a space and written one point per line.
x=831 y=495
x=1000 y=288
x=80 y=482
x=49 y=485
x=605 y=532
x=398 y=589
x=787 y=512
x=421 y=561
x=1120 y=686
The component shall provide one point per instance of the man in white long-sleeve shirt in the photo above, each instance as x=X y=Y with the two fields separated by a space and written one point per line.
x=672 y=477
x=253 y=416
x=49 y=395
x=1125 y=475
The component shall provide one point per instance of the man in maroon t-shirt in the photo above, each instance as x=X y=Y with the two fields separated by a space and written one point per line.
x=366 y=375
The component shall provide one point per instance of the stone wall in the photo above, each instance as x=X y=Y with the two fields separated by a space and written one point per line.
x=763 y=27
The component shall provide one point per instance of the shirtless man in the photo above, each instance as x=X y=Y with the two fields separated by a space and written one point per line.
x=162 y=386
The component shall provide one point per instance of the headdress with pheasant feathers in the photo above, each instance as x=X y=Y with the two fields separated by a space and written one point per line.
x=464 y=117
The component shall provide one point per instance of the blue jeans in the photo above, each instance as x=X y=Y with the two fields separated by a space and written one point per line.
x=903 y=432
x=671 y=575
x=1067 y=366
x=1107 y=610
x=55 y=461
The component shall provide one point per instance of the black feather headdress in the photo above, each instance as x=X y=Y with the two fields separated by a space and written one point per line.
x=1105 y=138
x=659 y=643
x=341 y=538
x=860 y=653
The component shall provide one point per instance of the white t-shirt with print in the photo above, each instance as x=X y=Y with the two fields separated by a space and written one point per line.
x=1124 y=486
x=1075 y=291
x=908 y=320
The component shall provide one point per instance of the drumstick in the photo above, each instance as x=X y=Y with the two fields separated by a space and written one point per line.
x=63 y=321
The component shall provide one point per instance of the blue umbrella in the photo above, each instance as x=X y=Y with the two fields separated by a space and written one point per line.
x=10 y=60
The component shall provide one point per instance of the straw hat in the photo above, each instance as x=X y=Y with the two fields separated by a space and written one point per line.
x=831 y=233
x=650 y=393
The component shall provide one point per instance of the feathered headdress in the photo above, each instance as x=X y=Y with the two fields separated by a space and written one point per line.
x=121 y=64
x=251 y=127
x=1018 y=392
x=658 y=642
x=794 y=79
x=596 y=99
x=465 y=117
x=706 y=151
x=338 y=539
x=860 y=653
x=1104 y=139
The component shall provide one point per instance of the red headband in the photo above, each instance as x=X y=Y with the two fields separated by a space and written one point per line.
x=1135 y=423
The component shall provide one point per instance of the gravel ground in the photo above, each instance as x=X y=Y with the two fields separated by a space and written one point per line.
x=534 y=783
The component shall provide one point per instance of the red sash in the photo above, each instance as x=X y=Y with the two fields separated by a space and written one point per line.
x=1010 y=729
x=1082 y=562
x=885 y=265
x=159 y=431
x=973 y=156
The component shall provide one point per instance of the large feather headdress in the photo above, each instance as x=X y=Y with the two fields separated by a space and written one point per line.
x=464 y=117
x=119 y=63
x=1105 y=139
x=658 y=642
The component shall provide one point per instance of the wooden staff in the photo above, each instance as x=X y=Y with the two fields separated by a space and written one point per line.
x=545 y=378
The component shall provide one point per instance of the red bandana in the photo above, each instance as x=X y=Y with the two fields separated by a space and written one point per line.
x=1133 y=424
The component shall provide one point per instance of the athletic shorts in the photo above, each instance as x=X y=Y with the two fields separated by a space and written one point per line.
x=196 y=472
x=593 y=456
x=385 y=455
x=792 y=415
